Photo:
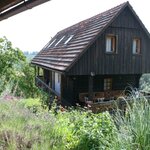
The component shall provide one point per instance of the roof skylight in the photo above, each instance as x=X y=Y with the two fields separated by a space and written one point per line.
x=59 y=40
x=71 y=36
x=51 y=43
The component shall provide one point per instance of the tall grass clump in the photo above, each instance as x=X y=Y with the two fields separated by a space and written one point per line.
x=133 y=132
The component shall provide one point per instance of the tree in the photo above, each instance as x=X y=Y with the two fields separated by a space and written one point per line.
x=15 y=71
x=25 y=83
x=9 y=59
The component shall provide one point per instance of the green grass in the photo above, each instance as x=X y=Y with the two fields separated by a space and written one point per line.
x=22 y=129
x=24 y=124
x=133 y=131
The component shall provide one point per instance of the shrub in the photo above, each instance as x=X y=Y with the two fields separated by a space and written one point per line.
x=85 y=130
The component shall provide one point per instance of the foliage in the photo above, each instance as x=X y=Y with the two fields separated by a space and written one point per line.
x=10 y=57
x=145 y=82
x=32 y=104
x=20 y=128
x=25 y=124
x=24 y=85
x=90 y=131
x=15 y=71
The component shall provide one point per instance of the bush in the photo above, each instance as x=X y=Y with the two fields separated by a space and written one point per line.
x=145 y=82
x=85 y=130
x=24 y=83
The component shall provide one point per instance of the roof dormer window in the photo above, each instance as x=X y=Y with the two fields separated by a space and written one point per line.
x=70 y=37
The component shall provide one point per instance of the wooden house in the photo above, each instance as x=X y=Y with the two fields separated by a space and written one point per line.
x=96 y=58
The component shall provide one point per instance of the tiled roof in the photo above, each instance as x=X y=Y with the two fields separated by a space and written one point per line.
x=68 y=45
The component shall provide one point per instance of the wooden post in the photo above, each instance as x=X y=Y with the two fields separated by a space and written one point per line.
x=38 y=71
x=35 y=73
x=90 y=93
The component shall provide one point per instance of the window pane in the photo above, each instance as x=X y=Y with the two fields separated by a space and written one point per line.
x=113 y=44
x=136 y=46
x=139 y=46
x=108 y=44
x=108 y=84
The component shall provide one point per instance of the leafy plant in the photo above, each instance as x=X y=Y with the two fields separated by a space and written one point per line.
x=145 y=82
x=15 y=71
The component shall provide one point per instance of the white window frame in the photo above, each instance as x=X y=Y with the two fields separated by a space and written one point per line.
x=111 y=43
x=59 y=40
x=136 y=46
x=51 y=43
x=70 y=37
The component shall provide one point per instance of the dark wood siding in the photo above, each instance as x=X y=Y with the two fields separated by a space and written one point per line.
x=95 y=59
x=67 y=89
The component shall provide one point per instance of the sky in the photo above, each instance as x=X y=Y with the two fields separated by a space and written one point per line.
x=32 y=29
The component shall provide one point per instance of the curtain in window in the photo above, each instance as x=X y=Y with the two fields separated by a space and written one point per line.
x=108 y=44
x=134 y=46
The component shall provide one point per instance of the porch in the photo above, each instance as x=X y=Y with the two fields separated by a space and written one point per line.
x=103 y=88
x=41 y=83
x=102 y=96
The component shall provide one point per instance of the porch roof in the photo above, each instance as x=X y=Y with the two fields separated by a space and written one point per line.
x=9 y=8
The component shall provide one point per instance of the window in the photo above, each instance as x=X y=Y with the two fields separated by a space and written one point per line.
x=111 y=44
x=59 y=40
x=70 y=37
x=107 y=84
x=136 y=46
x=51 y=43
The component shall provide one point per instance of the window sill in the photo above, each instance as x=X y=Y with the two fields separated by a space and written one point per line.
x=136 y=54
x=111 y=53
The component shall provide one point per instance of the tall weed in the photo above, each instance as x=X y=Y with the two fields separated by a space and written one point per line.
x=133 y=128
